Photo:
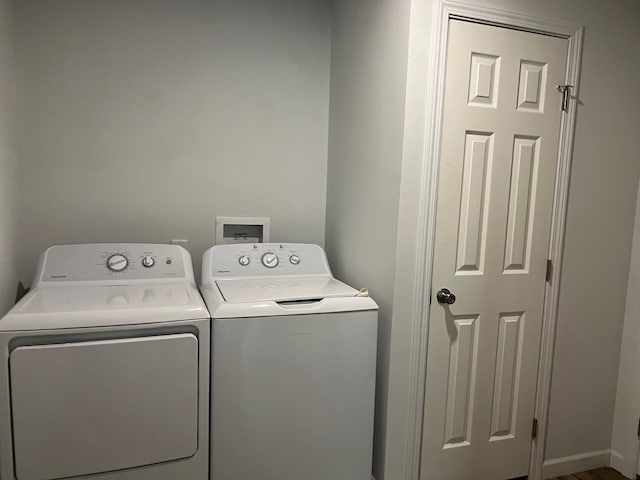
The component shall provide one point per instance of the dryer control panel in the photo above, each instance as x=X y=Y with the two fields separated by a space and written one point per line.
x=265 y=259
x=114 y=261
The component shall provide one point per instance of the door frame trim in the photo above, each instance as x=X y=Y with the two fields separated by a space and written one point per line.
x=444 y=10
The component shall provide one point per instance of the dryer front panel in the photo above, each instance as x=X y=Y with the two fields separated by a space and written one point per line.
x=90 y=407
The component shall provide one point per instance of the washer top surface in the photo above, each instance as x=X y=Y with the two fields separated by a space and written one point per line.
x=269 y=279
x=91 y=285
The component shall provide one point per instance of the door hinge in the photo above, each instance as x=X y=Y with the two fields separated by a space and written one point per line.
x=534 y=429
x=549 y=271
x=639 y=428
x=566 y=95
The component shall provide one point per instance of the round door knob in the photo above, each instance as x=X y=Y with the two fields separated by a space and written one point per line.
x=445 y=296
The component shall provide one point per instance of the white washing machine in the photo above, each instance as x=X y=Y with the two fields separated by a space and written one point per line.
x=294 y=362
x=105 y=368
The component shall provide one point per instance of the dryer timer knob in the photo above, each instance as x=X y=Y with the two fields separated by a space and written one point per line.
x=117 y=262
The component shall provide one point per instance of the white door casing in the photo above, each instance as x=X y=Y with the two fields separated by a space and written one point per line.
x=499 y=151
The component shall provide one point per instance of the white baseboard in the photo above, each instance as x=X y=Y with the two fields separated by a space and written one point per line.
x=622 y=465
x=556 y=467
x=617 y=461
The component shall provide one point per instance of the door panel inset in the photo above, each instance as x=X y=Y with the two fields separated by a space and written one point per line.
x=90 y=407
x=521 y=204
x=532 y=86
x=505 y=385
x=477 y=159
x=483 y=82
x=462 y=355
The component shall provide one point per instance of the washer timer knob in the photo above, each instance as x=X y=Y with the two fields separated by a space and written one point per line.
x=270 y=260
x=148 y=261
x=117 y=262
x=244 y=260
x=294 y=259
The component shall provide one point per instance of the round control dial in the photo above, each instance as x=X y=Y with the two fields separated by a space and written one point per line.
x=294 y=259
x=117 y=262
x=148 y=261
x=244 y=260
x=270 y=260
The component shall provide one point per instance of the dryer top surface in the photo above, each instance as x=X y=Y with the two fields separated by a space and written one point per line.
x=92 y=306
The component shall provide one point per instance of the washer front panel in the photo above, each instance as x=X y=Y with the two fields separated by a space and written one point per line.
x=293 y=397
x=98 y=406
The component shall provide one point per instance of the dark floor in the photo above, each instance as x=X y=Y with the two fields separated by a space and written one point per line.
x=597 y=474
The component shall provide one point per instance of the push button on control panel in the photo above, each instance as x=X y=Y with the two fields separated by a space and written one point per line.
x=294 y=259
x=244 y=260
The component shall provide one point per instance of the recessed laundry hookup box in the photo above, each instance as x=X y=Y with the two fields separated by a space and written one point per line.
x=242 y=230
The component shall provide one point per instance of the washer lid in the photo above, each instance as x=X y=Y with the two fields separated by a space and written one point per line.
x=283 y=289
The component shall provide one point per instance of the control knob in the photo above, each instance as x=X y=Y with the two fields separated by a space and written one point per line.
x=270 y=260
x=148 y=261
x=117 y=262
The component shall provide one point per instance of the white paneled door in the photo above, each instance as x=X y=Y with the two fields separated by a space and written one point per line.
x=501 y=126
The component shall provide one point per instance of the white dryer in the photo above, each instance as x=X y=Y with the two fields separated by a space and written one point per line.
x=294 y=362
x=105 y=368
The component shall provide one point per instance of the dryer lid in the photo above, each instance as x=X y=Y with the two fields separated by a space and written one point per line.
x=283 y=289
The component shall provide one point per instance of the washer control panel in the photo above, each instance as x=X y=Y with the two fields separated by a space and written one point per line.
x=95 y=262
x=261 y=259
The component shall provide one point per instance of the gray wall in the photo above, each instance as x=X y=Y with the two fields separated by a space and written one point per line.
x=600 y=221
x=368 y=77
x=9 y=177
x=624 y=440
x=144 y=119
